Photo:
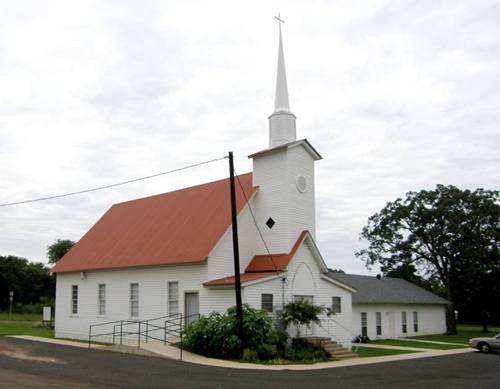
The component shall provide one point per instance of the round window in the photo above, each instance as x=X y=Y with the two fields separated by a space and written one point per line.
x=301 y=184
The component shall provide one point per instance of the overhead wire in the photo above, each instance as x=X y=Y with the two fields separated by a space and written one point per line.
x=112 y=185
x=257 y=225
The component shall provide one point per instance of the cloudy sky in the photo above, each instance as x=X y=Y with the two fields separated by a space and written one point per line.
x=396 y=96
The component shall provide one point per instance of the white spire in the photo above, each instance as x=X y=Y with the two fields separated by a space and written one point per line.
x=282 y=121
x=281 y=102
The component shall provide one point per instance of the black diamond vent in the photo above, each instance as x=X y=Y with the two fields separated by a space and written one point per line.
x=270 y=222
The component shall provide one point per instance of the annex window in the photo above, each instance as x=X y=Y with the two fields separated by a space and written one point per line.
x=378 y=322
x=364 y=324
x=403 y=322
x=267 y=302
x=336 y=305
x=415 y=321
x=101 y=299
x=74 y=299
x=134 y=300
x=173 y=298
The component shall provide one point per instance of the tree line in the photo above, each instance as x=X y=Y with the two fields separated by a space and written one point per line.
x=32 y=283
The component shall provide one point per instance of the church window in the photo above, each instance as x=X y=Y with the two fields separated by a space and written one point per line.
x=173 y=298
x=270 y=223
x=378 y=322
x=134 y=300
x=403 y=322
x=267 y=302
x=74 y=299
x=415 y=321
x=336 y=305
x=364 y=324
x=101 y=299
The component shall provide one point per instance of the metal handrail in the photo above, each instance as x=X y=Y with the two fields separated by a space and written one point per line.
x=174 y=324
x=328 y=318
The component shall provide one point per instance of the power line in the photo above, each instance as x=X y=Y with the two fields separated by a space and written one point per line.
x=111 y=185
x=256 y=225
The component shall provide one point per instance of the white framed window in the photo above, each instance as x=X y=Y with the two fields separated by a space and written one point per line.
x=336 y=304
x=173 y=298
x=267 y=302
x=364 y=324
x=415 y=321
x=404 y=328
x=378 y=322
x=74 y=299
x=134 y=300
x=101 y=299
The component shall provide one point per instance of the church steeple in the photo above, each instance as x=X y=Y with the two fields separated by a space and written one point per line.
x=282 y=121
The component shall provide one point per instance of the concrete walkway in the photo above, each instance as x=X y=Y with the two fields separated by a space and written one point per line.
x=386 y=346
x=64 y=342
x=433 y=341
x=171 y=352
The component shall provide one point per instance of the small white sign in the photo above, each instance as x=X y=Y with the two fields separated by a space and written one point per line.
x=47 y=315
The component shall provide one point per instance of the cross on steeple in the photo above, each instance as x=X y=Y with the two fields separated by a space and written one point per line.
x=278 y=18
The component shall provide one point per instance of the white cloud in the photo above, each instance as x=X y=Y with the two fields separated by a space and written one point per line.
x=396 y=96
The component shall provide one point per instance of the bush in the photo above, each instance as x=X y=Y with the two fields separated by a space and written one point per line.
x=361 y=339
x=216 y=335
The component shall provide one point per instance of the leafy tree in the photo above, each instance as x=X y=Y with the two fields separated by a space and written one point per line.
x=447 y=234
x=302 y=312
x=58 y=249
x=30 y=282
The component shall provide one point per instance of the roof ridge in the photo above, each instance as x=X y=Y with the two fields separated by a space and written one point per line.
x=180 y=189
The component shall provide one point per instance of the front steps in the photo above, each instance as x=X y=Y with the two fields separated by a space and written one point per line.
x=335 y=349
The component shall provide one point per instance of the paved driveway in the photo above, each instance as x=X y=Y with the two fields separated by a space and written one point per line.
x=27 y=364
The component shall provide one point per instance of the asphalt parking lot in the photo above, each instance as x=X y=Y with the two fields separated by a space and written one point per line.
x=29 y=364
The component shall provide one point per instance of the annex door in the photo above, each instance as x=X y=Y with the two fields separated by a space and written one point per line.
x=191 y=307
x=391 y=325
x=305 y=330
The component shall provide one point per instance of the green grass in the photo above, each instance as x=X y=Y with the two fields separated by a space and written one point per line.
x=409 y=343
x=366 y=352
x=27 y=328
x=465 y=332
x=20 y=317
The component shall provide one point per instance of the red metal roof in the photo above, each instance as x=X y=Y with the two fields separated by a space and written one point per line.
x=245 y=277
x=262 y=266
x=172 y=228
x=274 y=262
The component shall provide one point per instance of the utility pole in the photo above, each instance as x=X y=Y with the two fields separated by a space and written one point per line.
x=236 y=251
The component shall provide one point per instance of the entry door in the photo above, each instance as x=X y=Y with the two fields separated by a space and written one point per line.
x=391 y=321
x=305 y=330
x=191 y=307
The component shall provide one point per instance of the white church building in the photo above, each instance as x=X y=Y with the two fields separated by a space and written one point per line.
x=172 y=253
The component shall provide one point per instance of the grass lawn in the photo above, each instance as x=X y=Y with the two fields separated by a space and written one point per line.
x=465 y=332
x=365 y=352
x=27 y=328
x=409 y=343
x=20 y=317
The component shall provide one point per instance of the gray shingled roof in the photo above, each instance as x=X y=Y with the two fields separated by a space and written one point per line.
x=386 y=290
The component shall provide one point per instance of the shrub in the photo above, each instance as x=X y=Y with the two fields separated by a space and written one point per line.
x=216 y=335
x=302 y=312
x=361 y=339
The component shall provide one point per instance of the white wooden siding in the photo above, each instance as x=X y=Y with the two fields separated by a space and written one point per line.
x=431 y=319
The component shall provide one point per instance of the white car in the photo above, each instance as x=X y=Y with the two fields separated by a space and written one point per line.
x=485 y=345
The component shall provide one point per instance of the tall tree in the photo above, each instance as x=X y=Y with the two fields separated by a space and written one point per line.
x=30 y=282
x=446 y=233
x=58 y=249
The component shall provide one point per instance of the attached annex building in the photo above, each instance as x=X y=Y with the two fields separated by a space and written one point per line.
x=172 y=253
